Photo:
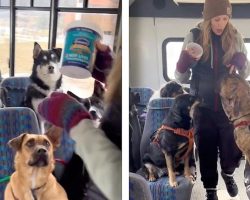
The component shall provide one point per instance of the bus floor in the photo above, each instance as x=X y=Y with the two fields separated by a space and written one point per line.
x=198 y=192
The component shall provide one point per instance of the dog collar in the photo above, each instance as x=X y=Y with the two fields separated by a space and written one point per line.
x=32 y=192
x=242 y=123
x=35 y=189
x=13 y=194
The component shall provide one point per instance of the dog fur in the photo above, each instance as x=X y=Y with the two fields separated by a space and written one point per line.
x=167 y=147
x=95 y=103
x=45 y=76
x=235 y=98
x=34 y=163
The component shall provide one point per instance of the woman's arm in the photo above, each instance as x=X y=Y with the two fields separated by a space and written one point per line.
x=102 y=158
x=182 y=71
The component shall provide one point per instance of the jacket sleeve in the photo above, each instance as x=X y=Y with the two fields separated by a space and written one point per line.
x=102 y=158
x=244 y=72
x=184 y=76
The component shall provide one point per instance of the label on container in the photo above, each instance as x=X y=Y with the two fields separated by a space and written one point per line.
x=79 y=46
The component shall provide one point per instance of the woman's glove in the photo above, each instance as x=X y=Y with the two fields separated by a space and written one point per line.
x=239 y=60
x=62 y=110
x=103 y=62
x=185 y=61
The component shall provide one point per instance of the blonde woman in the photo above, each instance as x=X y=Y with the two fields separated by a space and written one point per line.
x=223 y=52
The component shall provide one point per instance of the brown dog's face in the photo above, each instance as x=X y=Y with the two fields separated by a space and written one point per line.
x=235 y=95
x=35 y=150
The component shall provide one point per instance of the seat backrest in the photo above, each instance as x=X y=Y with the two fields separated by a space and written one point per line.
x=13 y=90
x=145 y=94
x=157 y=111
x=13 y=122
x=138 y=188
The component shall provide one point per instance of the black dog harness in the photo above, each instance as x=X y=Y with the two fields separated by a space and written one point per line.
x=182 y=132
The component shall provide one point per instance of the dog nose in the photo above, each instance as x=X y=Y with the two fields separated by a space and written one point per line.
x=41 y=151
x=51 y=67
x=93 y=114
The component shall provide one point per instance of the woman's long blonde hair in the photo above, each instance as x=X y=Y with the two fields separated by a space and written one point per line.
x=114 y=82
x=229 y=40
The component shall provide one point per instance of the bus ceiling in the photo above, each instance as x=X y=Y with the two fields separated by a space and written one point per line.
x=181 y=8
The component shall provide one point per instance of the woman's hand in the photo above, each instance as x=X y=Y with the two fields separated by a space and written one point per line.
x=237 y=62
x=62 y=110
x=232 y=68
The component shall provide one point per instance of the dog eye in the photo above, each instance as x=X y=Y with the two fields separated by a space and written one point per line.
x=46 y=143
x=30 y=143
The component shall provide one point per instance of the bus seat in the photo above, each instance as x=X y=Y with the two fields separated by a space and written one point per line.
x=138 y=188
x=145 y=94
x=161 y=190
x=13 y=90
x=157 y=111
x=13 y=122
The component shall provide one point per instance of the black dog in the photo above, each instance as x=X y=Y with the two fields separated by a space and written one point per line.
x=172 y=143
x=45 y=77
x=171 y=89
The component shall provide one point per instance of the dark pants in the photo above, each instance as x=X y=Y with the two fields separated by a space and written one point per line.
x=213 y=136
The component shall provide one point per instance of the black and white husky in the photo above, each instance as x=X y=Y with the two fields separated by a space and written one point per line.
x=45 y=77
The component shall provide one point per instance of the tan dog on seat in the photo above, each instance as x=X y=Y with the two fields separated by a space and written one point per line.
x=34 y=163
x=235 y=97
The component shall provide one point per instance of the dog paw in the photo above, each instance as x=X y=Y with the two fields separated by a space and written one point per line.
x=173 y=184
x=152 y=179
x=177 y=173
x=191 y=178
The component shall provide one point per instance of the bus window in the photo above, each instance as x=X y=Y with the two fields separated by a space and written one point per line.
x=171 y=49
x=71 y=3
x=31 y=26
x=4 y=40
x=43 y=3
x=22 y=3
x=103 y=3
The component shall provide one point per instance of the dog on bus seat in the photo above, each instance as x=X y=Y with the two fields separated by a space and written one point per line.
x=45 y=76
x=172 y=143
x=34 y=163
x=94 y=104
x=235 y=98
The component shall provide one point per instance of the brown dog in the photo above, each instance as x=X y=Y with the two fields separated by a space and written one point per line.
x=235 y=97
x=34 y=162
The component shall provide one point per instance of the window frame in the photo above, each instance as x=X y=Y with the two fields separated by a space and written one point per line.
x=54 y=10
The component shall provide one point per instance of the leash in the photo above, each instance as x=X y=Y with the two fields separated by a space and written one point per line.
x=182 y=132
x=5 y=179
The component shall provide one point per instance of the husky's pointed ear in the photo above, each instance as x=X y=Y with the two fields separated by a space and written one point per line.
x=16 y=142
x=57 y=51
x=37 y=49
